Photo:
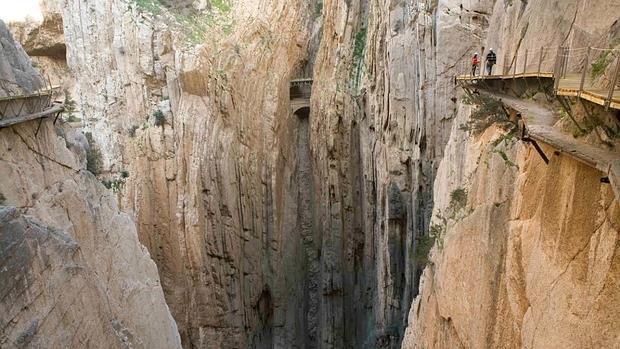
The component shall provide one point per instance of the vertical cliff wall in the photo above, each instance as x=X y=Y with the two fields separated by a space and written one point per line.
x=72 y=272
x=382 y=112
x=310 y=228
x=526 y=252
x=199 y=123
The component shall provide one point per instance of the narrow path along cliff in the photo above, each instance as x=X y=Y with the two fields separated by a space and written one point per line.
x=318 y=174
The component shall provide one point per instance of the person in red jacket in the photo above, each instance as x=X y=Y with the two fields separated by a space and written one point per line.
x=475 y=61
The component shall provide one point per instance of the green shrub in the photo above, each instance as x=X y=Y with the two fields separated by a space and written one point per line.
x=318 y=9
x=132 y=131
x=423 y=249
x=72 y=118
x=115 y=184
x=223 y=6
x=194 y=24
x=69 y=102
x=504 y=157
x=458 y=199
x=70 y=107
x=359 y=46
x=160 y=118
x=437 y=231
x=94 y=163
x=152 y=6
x=600 y=65
x=487 y=112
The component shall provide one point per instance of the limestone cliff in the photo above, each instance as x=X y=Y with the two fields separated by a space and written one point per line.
x=279 y=226
x=527 y=253
x=72 y=271
x=197 y=119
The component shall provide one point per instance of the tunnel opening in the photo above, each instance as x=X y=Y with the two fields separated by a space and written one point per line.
x=303 y=113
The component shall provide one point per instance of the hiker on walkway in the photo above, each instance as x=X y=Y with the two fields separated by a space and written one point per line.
x=491 y=60
x=474 y=64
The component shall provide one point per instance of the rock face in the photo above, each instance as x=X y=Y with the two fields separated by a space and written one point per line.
x=73 y=272
x=43 y=40
x=16 y=70
x=269 y=229
x=526 y=257
x=310 y=228
x=44 y=43
x=199 y=129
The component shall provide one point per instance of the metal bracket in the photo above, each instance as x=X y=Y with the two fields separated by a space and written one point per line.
x=56 y=117
x=538 y=149
x=38 y=128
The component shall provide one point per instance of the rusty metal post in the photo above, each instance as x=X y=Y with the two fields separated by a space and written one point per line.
x=556 y=71
x=613 y=83
x=514 y=71
x=566 y=59
x=540 y=59
x=559 y=66
x=583 y=74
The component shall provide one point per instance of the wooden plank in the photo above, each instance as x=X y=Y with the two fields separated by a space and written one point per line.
x=539 y=123
x=25 y=118
x=41 y=93
x=569 y=86
x=504 y=77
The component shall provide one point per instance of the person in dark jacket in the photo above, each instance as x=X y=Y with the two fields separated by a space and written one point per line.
x=491 y=61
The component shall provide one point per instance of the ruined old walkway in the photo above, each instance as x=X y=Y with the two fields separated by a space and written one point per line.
x=299 y=93
x=16 y=109
x=588 y=73
x=538 y=125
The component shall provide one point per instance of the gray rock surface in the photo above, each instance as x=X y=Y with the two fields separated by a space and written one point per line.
x=73 y=273
x=17 y=74
x=280 y=230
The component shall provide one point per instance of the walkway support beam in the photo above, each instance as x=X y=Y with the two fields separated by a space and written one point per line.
x=538 y=149
x=613 y=83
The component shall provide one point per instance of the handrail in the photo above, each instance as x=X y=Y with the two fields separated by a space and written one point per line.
x=51 y=110
x=39 y=93
x=576 y=71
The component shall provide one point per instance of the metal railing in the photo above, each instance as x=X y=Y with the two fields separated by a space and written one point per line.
x=589 y=71
x=301 y=88
x=576 y=71
x=15 y=104
x=539 y=61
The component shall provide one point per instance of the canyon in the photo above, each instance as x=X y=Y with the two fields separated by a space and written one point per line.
x=307 y=174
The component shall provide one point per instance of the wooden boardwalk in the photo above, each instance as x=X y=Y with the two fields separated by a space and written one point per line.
x=538 y=122
x=568 y=86
x=299 y=94
x=53 y=110
x=17 y=109
x=474 y=79
x=41 y=93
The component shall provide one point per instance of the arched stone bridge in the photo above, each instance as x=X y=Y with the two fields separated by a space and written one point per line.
x=300 y=92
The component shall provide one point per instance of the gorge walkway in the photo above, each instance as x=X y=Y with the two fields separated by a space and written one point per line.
x=588 y=73
x=19 y=108
x=537 y=126
x=299 y=94
x=582 y=73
